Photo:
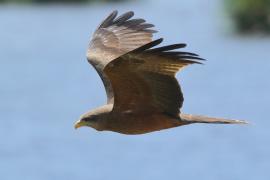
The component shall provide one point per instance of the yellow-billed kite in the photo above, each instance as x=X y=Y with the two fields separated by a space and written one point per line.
x=142 y=91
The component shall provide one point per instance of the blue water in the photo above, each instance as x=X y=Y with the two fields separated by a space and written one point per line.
x=46 y=83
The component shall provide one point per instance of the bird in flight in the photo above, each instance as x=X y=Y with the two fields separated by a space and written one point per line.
x=143 y=94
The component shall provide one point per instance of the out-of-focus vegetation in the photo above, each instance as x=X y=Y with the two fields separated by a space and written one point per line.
x=250 y=15
x=57 y=1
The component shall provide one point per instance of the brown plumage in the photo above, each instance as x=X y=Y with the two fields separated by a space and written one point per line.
x=142 y=91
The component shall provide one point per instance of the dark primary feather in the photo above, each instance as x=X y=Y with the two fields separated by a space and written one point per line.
x=180 y=53
x=148 y=46
x=168 y=48
x=134 y=22
x=105 y=23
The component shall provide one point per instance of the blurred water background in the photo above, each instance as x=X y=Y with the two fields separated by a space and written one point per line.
x=46 y=83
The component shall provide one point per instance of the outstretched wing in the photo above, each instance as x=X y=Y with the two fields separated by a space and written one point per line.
x=114 y=37
x=144 y=79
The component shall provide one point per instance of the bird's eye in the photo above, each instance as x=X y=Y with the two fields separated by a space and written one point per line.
x=93 y=118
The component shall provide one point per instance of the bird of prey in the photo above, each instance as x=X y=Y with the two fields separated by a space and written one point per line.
x=143 y=94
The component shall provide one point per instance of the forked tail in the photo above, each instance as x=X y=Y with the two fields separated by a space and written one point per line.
x=190 y=118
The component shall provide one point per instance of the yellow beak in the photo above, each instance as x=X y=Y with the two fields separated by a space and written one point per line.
x=79 y=124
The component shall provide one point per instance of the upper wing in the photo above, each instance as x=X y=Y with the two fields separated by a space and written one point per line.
x=144 y=79
x=115 y=37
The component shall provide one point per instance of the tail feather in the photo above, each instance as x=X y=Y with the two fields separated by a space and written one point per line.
x=189 y=118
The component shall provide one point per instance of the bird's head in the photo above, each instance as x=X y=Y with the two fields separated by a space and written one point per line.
x=95 y=118
x=90 y=120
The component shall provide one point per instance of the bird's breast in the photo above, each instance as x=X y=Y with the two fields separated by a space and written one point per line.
x=130 y=123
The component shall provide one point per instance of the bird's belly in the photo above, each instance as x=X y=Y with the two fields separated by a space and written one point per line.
x=133 y=124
